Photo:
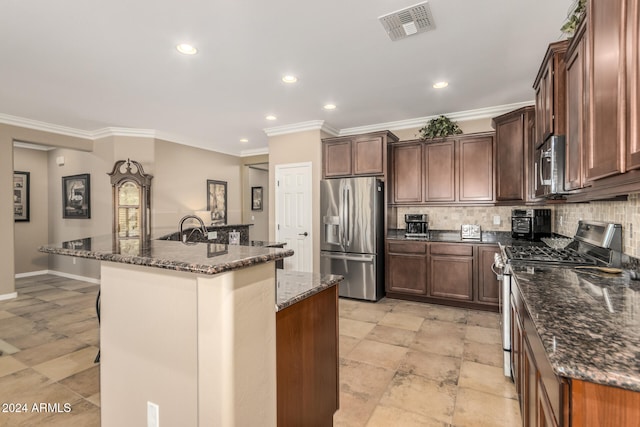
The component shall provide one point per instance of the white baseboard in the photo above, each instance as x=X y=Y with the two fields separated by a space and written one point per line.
x=57 y=273
x=12 y=295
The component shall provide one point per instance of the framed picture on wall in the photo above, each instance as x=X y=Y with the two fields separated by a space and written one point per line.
x=217 y=201
x=20 y=196
x=256 y=198
x=76 y=197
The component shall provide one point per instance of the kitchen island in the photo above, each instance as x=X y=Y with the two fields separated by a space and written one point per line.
x=189 y=327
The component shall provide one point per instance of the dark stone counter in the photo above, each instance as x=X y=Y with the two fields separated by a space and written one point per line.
x=490 y=237
x=202 y=258
x=589 y=322
x=295 y=286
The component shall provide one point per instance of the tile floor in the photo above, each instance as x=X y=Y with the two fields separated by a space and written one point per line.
x=401 y=363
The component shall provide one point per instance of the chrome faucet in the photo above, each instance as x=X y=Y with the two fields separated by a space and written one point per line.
x=202 y=229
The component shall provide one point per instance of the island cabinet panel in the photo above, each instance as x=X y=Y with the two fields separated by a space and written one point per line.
x=307 y=361
x=577 y=108
x=595 y=405
x=476 y=169
x=604 y=150
x=407 y=173
x=451 y=271
x=488 y=287
x=633 y=84
x=440 y=176
x=406 y=268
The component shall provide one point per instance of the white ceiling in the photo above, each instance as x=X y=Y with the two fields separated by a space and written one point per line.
x=92 y=64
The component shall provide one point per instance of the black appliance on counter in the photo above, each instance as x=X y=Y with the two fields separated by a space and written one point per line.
x=417 y=225
x=530 y=224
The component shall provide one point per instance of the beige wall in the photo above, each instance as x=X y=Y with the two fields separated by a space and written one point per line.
x=259 y=218
x=34 y=233
x=298 y=148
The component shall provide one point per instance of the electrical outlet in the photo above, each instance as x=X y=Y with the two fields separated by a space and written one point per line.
x=153 y=414
x=74 y=260
x=496 y=220
x=211 y=235
x=253 y=218
x=560 y=222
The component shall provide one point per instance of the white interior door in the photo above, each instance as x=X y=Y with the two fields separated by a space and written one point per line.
x=293 y=214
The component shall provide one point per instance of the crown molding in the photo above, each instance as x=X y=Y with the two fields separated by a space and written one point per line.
x=31 y=146
x=254 y=152
x=480 y=113
x=116 y=131
x=302 y=127
x=43 y=126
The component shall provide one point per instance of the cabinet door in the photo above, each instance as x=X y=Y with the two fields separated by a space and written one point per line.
x=544 y=416
x=510 y=138
x=488 y=287
x=540 y=112
x=407 y=173
x=337 y=158
x=633 y=84
x=547 y=101
x=604 y=155
x=516 y=352
x=451 y=271
x=530 y=386
x=368 y=156
x=407 y=268
x=439 y=161
x=476 y=169
x=576 y=107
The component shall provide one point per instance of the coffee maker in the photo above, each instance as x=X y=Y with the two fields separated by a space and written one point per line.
x=417 y=225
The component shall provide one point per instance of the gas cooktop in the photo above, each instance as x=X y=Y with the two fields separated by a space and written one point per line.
x=547 y=255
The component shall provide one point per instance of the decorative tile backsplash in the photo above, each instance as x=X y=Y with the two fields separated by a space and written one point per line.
x=564 y=219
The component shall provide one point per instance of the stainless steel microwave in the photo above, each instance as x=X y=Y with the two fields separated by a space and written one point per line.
x=549 y=167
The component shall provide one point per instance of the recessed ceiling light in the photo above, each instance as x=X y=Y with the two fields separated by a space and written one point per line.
x=187 y=49
x=270 y=117
x=329 y=107
x=244 y=140
x=289 y=79
x=440 y=85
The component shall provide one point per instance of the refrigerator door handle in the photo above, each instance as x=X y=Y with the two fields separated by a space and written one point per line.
x=342 y=218
x=361 y=258
x=348 y=217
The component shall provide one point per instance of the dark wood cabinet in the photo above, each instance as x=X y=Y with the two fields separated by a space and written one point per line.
x=407 y=167
x=577 y=109
x=440 y=172
x=357 y=155
x=633 y=84
x=451 y=271
x=604 y=154
x=406 y=267
x=549 y=87
x=307 y=348
x=514 y=151
x=487 y=285
x=455 y=170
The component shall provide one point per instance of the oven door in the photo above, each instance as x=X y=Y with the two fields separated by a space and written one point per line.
x=503 y=275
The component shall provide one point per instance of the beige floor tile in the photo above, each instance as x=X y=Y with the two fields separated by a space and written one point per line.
x=364 y=380
x=71 y=329
x=55 y=294
x=367 y=313
x=16 y=326
x=400 y=320
x=51 y=350
x=485 y=378
x=488 y=354
x=417 y=394
x=69 y=364
x=86 y=383
x=483 y=335
x=5 y=314
x=83 y=414
x=487 y=319
x=355 y=328
x=434 y=311
x=22 y=381
x=6 y=348
x=378 y=354
x=9 y=365
x=90 y=336
x=35 y=339
x=389 y=335
x=346 y=344
x=354 y=411
x=95 y=399
x=477 y=409
x=387 y=416
x=444 y=338
x=442 y=369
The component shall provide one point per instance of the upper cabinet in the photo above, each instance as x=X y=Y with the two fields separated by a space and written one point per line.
x=633 y=84
x=514 y=150
x=357 y=155
x=549 y=88
x=453 y=170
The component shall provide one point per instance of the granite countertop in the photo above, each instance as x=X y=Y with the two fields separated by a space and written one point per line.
x=201 y=258
x=294 y=286
x=589 y=322
x=454 y=236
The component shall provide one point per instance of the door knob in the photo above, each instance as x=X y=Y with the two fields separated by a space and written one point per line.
x=305 y=234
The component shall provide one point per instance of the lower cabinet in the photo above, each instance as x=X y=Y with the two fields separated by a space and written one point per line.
x=456 y=274
x=307 y=361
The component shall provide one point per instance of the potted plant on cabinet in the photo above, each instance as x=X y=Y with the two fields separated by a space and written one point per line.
x=574 y=17
x=440 y=126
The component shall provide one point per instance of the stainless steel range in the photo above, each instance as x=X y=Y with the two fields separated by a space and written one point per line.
x=595 y=243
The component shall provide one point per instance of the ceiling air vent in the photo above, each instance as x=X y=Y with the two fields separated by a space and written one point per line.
x=407 y=22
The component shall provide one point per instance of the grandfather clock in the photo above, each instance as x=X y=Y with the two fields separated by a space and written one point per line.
x=131 y=206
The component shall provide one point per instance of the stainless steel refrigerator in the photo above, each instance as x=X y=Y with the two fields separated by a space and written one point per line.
x=352 y=235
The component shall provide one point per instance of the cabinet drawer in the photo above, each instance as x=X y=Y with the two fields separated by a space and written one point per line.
x=452 y=249
x=418 y=248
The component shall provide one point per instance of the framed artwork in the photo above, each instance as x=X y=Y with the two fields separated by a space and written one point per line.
x=76 y=196
x=256 y=198
x=217 y=201
x=20 y=196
